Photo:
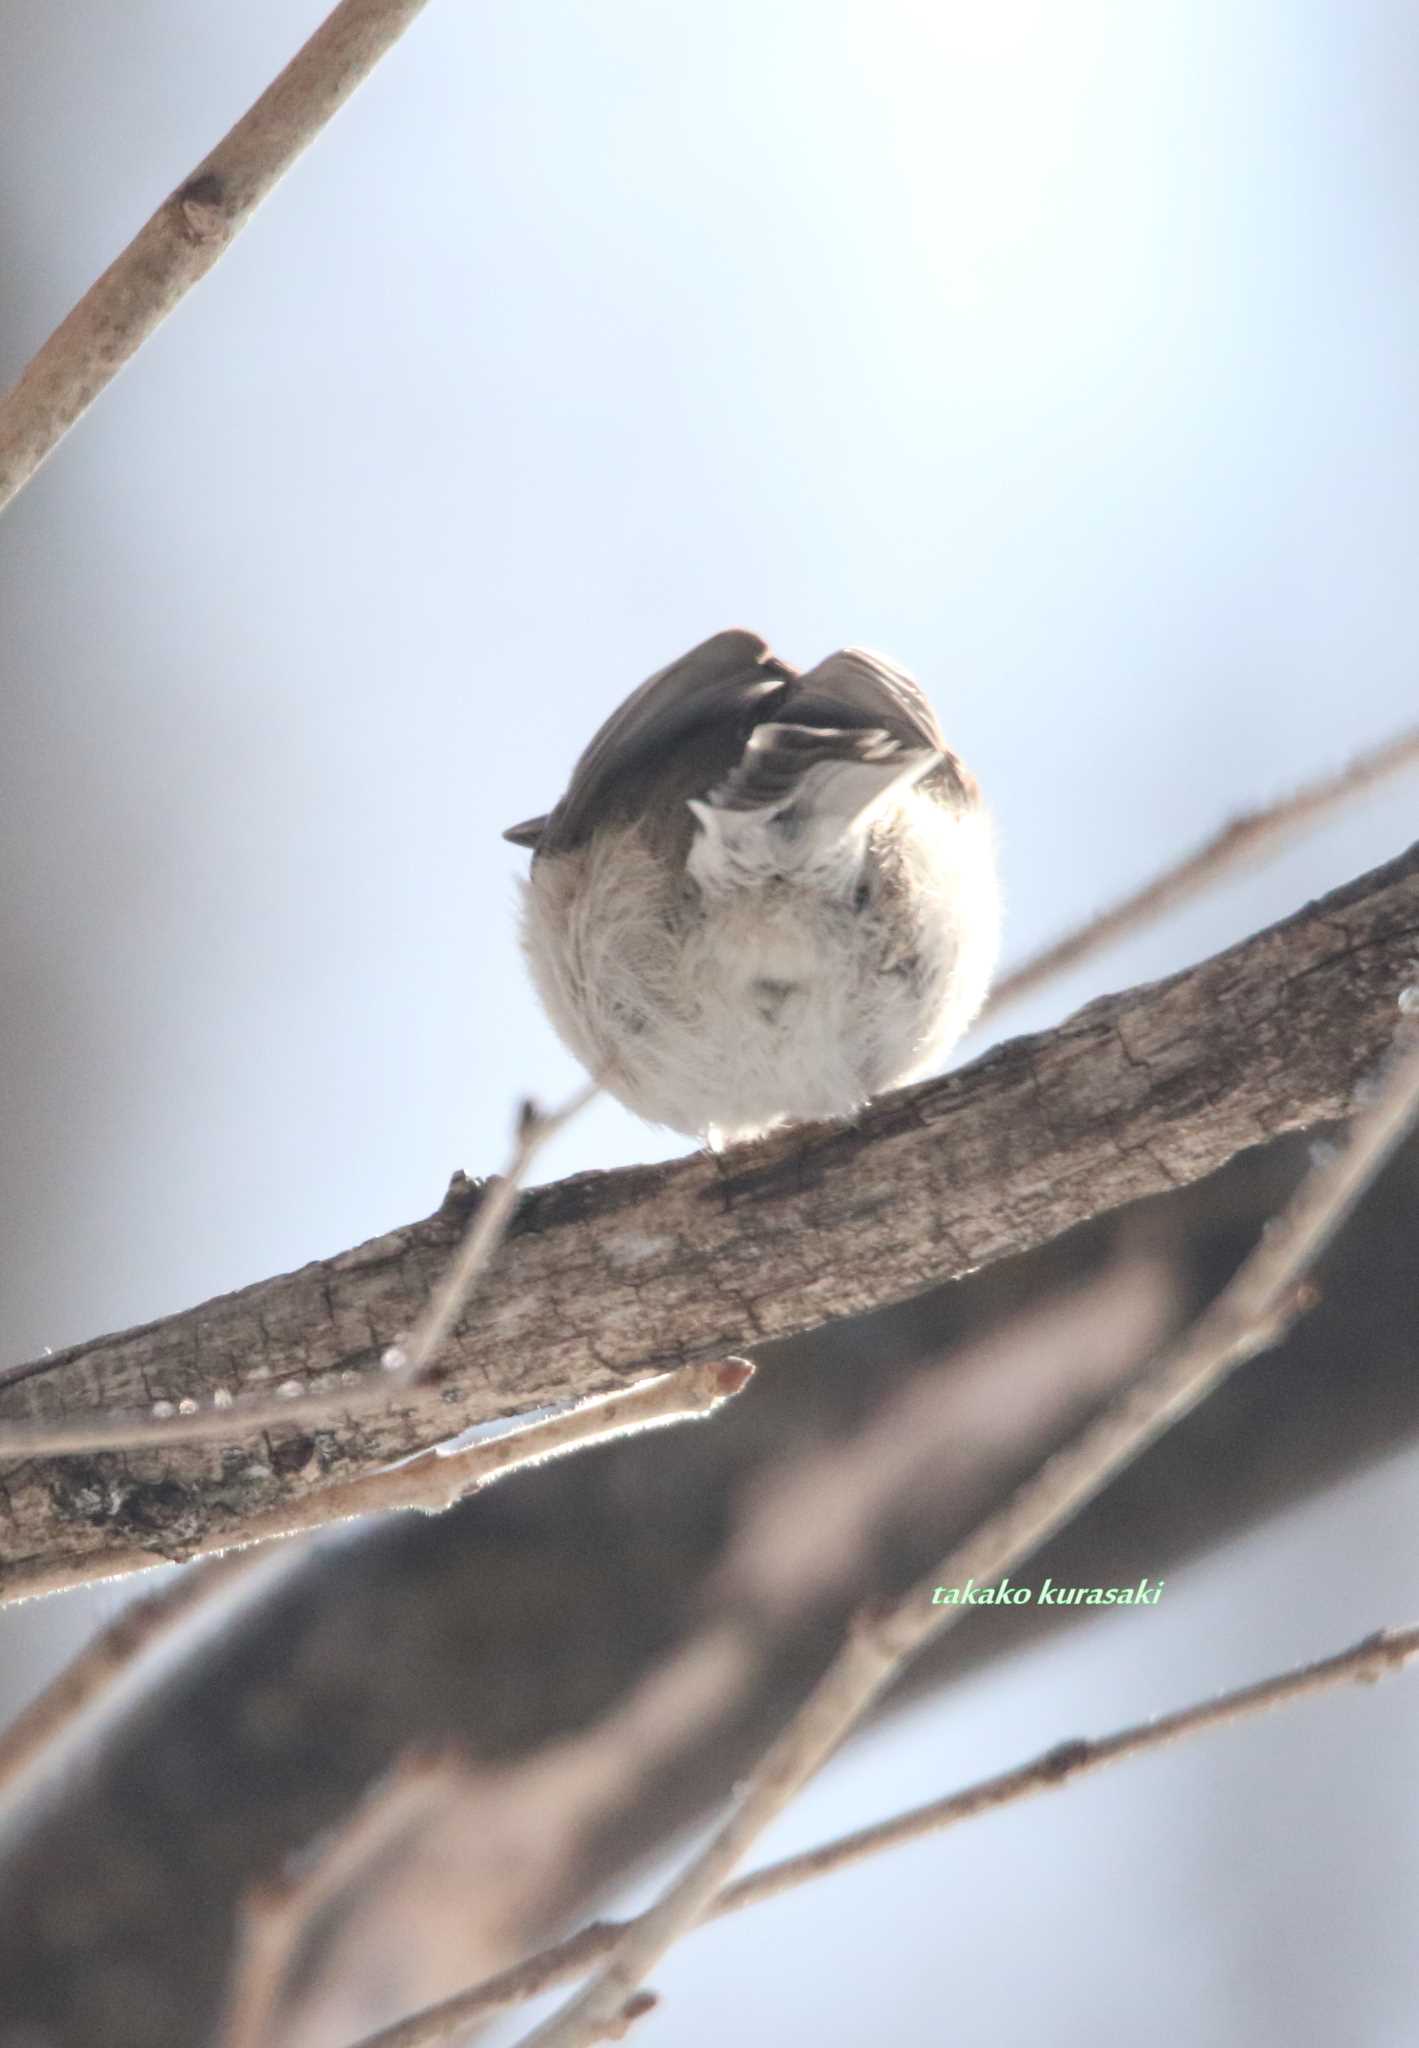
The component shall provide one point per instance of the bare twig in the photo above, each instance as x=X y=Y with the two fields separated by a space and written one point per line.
x=546 y=1814
x=437 y=1480
x=1378 y=1656
x=189 y=232
x=535 y=1128
x=634 y=2009
x=1254 y=832
x=1249 y=1314
x=434 y=1481
x=111 y=1653
x=429 y=1481
x=276 y=1916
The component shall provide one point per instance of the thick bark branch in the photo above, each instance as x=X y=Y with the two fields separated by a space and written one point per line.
x=608 y=1277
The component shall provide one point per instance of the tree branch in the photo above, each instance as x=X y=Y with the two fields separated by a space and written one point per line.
x=100 y=1663
x=436 y=1480
x=606 y=1278
x=1379 y=1656
x=1254 y=833
x=518 y=1621
x=1250 y=1314
x=276 y=1916
x=188 y=233
x=233 y=1417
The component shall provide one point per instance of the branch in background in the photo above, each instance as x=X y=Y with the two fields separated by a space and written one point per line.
x=530 y=1821
x=432 y=1483
x=1251 y=1313
x=609 y=1277
x=276 y=1917
x=188 y=233
x=1253 y=833
x=523 y=1619
x=112 y=1652
x=1378 y=1656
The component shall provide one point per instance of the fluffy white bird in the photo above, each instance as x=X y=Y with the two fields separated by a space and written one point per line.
x=766 y=896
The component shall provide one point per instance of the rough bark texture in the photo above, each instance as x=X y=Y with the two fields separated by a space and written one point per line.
x=530 y=1611
x=607 y=1277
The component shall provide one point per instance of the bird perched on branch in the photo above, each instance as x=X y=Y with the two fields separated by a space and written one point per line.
x=766 y=896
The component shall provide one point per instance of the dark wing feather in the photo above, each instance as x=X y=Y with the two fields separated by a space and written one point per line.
x=528 y=833
x=855 y=687
x=852 y=704
x=770 y=772
x=727 y=681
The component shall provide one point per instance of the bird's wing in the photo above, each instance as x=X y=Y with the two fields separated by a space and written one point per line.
x=856 y=688
x=529 y=832
x=729 y=678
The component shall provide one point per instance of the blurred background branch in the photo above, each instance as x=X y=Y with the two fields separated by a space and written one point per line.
x=1379 y=1656
x=1246 y=838
x=501 y=1626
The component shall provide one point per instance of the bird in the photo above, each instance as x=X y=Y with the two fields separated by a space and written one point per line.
x=767 y=896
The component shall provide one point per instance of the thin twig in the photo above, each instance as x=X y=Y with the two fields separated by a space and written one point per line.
x=1250 y=1314
x=104 y=1660
x=535 y=1129
x=1254 y=832
x=560 y=1801
x=433 y=1480
x=187 y=234
x=404 y=1364
x=436 y=1480
x=429 y=1481
x=1379 y=1655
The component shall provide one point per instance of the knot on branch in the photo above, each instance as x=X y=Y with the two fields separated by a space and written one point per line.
x=201 y=208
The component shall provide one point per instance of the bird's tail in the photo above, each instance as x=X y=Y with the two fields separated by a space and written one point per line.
x=801 y=797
